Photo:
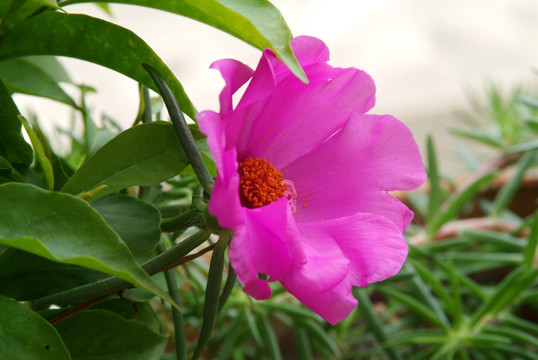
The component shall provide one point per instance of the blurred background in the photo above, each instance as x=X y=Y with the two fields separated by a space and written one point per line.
x=426 y=57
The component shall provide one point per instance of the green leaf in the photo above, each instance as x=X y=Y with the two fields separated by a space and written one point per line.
x=90 y=39
x=268 y=334
x=514 y=334
x=26 y=335
x=104 y=335
x=13 y=148
x=508 y=191
x=436 y=193
x=414 y=305
x=505 y=293
x=32 y=78
x=8 y=173
x=374 y=322
x=65 y=229
x=41 y=277
x=455 y=204
x=257 y=22
x=136 y=222
x=144 y=155
x=530 y=254
x=41 y=156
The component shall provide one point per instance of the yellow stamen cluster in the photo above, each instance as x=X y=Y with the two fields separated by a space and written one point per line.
x=260 y=183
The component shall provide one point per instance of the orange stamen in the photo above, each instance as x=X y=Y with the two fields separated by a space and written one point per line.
x=260 y=183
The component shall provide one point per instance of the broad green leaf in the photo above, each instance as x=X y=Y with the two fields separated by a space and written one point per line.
x=137 y=223
x=40 y=155
x=27 y=77
x=13 y=147
x=144 y=155
x=257 y=22
x=26 y=335
x=65 y=229
x=105 y=335
x=90 y=39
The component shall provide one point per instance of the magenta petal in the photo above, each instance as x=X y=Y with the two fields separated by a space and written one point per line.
x=374 y=245
x=235 y=75
x=370 y=155
x=225 y=203
x=266 y=244
x=333 y=305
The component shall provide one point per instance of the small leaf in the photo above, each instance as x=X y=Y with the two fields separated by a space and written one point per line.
x=26 y=335
x=105 y=335
x=65 y=229
x=41 y=157
x=144 y=155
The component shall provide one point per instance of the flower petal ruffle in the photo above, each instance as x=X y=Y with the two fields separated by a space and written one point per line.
x=372 y=247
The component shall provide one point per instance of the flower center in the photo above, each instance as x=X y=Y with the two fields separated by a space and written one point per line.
x=260 y=183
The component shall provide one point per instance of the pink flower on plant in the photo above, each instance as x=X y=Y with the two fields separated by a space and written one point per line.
x=303 y=175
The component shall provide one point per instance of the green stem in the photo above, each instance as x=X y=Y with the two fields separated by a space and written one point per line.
x=212 y=293
x=113 y=284
x=192 y=217
x=177 y=317
x=146 y=115
x=183 y=131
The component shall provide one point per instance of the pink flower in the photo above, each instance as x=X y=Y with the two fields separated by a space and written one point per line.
x=303 y=175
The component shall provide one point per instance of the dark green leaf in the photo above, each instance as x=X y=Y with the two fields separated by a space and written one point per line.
x=268 y=334
x=136 y=222
x=90 y=39
x=104 y=335
x=144 y=155
x=256 y=22
x=41 y=277
x=13 y=148
x=65 y=229
x=26 y=335
x=375 y=324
